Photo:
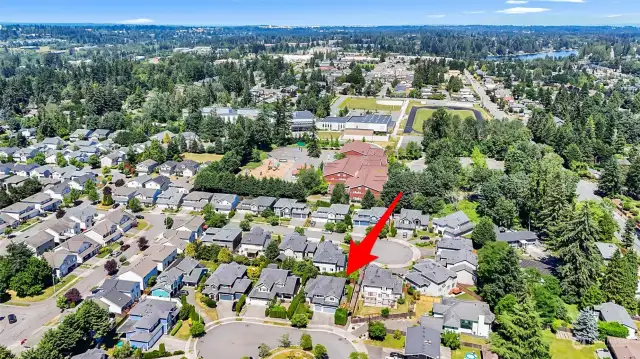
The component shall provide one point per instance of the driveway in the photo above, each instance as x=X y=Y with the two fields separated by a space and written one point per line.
x=225 y=309
x=237 y=339
x=390 y=253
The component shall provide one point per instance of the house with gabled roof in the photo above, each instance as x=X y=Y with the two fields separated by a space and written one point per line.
x=463 y=261
x=431 y=278
x=334 y=213
x=139 y=182
x=146 y=166
x=84 y=214
x=453 y=225
x=62 y=261
x=169 y=199
x=94 y=353
x=325 y=293
x=329 y=258
x=168 y=283
x=380 y=287
x=224 y=202
x=148 y=321
x=190 y=224
x=227 y=236
x=409 y=220
x=291 y=208
x=297 y=246
x=468 y=317
x=160 y=183
x=40 y=243
x=168 y=168
x=368 y=217
x=141 y=272
x=117 y=294
x=254 y=243
x=196 y=200
x=83 y=247
x=80 y=134
x=228 y=282
x=612 y=312
x=423 y=341
x=273 y=283
x=62 y=229
x=517 y=239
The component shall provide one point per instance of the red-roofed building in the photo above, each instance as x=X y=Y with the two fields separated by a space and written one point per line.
x=358 y=148
x=370 y=178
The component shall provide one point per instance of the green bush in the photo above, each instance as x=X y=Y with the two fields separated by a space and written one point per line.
x=176 y=328
x=197 y=329
x=612 y=329
x=294 y=304
x=401 y=300
x=232 y=213
x=384 y=312
x=240 y=303
x=340 y=316
x=209 y=302
x=557 y=323
x=377 y=331
x=278 y=312
x=299 y=320
x=451 y=339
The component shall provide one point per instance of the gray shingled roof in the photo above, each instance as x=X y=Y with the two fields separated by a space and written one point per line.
x=455 y=257
x=297 y=243
x=257 y=237
x=454 y=310
x=378 y=277
x=607 y=250
x=329 y=253
x=429 y=271
x=515 y=237
x=277 y=281
x=321 y=287
x=422 y=341
x=453 y=220
x=612 y=312
x=455 y=244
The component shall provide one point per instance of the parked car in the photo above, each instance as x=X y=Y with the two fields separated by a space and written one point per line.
x=396 y=355
x=139 y=216
x=12 y=318
x=115 y=205
x=116 y=253
x=424 y=238
x=183 y=292
x=125 y=247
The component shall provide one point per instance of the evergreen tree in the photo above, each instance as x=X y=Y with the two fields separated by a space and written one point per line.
x=261 y=131
x=633 y=178
x=339 y=194
x=621 y=271
x=369 y=200
x=282 y=124
x=519 y=334
x=498 y=272
x=592 y=296
x=611 y=180
x=585 y=328
x=575 y=247
x=629 y=235
x=173 y=149
x=483 y=233
x=313 y=148
x=272 y=251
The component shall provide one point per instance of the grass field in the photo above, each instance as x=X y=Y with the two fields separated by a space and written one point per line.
x=184 y=332
x=328 y=135
x=465 y=296
x=291 y=353
x=460 y=353
x=48 y=292
x=366 y=104
x=567 y=349
x=388 y=342
x=426 y=113
x=202 y=157
x=143 y=225
x=363 y=310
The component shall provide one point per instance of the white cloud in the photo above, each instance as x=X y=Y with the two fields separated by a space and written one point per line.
x=137 y=21
x=523 y=10
x=614 y=15
x=573 y=1
x=474 y=12
x=436 y=16
x=517 y=1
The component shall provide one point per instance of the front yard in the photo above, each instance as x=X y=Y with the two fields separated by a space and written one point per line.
x=388 y=342
x=211 y=313
x=363 y=310
x=48 y=292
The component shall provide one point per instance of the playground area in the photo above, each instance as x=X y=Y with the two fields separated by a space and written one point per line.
x=270 y=168
x=284 y=161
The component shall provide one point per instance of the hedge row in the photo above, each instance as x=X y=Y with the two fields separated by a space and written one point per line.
x=176 y=328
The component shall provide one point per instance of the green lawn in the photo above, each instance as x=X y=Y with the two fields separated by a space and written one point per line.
x=471 y=339
x=426 y=113
x=460 y=353
x=567 y=349
x=368 y=103
x=202 y=157
x=184 y=332
x=572 y=312
x=106 y=250
x=465 y=296
x=210 y=265
x=328 y=135
x=388 y=342
x=143 y=225
x=363 y=310
x=48 y=292
x=28 y=224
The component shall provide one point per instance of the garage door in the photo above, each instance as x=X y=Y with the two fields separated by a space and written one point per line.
x=226 y=296
x=329 y=310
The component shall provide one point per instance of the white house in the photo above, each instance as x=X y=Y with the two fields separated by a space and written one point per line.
x=380 y=287
x=469 y=317
x=431 y=278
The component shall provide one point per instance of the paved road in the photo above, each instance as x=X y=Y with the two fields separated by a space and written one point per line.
x=335 y=107
x=235 y=340
x=389 y=252
x=484 y=99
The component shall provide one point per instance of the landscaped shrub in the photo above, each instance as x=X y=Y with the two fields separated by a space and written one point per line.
x=294 y=304
x=401 y=300
x=240 y=303
x=209 y=302
x=278 y=312
x=340 y=316
x=176 y=328
x=451 y=339
x=612 y=329
x=384 y=312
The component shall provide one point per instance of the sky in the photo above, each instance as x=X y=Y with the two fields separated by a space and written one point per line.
x=324 y=12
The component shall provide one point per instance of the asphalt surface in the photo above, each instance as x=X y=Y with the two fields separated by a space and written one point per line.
x=235 y=340
x=484 y=99
x=391 y=252
x=408 y=128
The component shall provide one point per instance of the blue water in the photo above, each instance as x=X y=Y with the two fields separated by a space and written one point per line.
x=541 y=55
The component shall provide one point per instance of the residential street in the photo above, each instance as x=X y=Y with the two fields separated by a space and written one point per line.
x=485 y=100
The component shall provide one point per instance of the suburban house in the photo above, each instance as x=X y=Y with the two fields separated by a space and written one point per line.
x=141 y=272
x=104 y=232
x=463 y=262
x=469 y=317
x=192 y=270
x=100 y=134
x=139 y=182
x=517 y=239
x=225 y=203
x=21 y=211
x=325 y=293
x=409 y=220
x=80 y=134
x=83 y=214
x=168 y=168
x=112 y=159
x=380 y=287
x=62 y=229
x=146 y=166
x=169 y=199
x=228 y=237
x=163 y=256
x=621 y=348
x=187 y=168
x=195 y=201
x=273 y=283
x=190 y=224
x=291 y=208
x=453 y=225
x=228 y=282
x=40 y=242
x=83 y=247
x=147 y=196
x=329 y=258
x=366 y=217
x=168 y=283
x=254 y=243
x=612 y=312
x=423 y=341
x=149 y=320
x=62 y=261
x=453 y=244
x=257 y=205
x=296 y=246
x=122 y=195
x=431 y=278
x=123 y=219
x=118 y=294
x=333 y=214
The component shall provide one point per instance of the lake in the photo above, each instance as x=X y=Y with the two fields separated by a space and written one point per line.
x=540 y=55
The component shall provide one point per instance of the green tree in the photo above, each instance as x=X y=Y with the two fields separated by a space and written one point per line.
x=339 y=194
x=519 y=334
x=299 y=320
x=483 y=233
x=134 y=205
x=451 y=339
x=368 y=200
x=94 y=161
x=107 y=197
x=245 y=225
x=633 y=178
x=60 y=160
x=282 y=123
x=377 y=330
x=629 y=235
x=197 y=329
x=272 y=252
x=306 y=343
x=263 y=350
x=611 y=180
x=61 y=302
x=585 y=328
x=498 y=272
x=621 y=271
x=575 y=247
x=592 y=296
x=225 y=256
x=319 y=351
x=6 y=353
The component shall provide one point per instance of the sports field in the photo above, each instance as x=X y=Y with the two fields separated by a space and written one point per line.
x=426 y=113
x=368 y=103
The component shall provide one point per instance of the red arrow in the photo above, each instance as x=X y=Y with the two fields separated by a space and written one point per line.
x=360 y=254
